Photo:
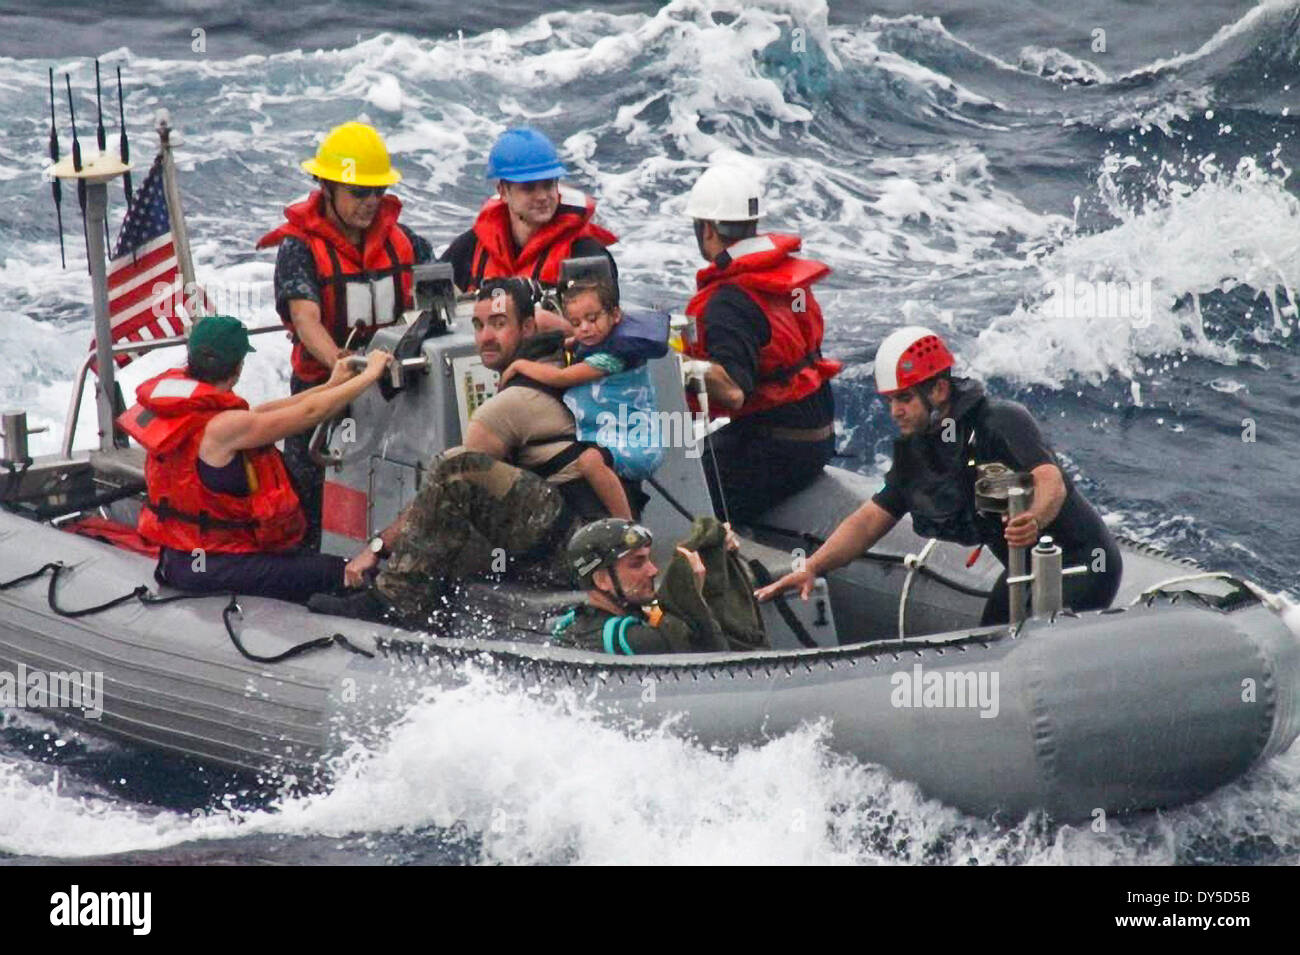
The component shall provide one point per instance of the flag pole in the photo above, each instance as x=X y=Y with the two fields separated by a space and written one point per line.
x=181 y=238
x=92 y=178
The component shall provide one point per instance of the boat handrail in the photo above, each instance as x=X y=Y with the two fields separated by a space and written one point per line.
x=74 y=406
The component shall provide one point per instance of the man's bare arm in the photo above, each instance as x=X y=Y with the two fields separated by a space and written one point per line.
x=723 y=391
x=307 y=324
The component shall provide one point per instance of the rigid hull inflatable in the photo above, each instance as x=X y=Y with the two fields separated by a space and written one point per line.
x=1191 y=679
x=1119 y=711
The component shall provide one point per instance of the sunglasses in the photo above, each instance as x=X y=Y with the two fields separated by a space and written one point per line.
x=366 y=192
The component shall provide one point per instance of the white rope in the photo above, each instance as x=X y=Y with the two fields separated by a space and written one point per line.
x=912 y=562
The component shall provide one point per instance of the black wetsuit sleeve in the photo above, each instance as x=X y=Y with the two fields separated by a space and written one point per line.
x=891 y=496
x=461 y=256
x=295 y=275
x=419 y=245
x=737 y=332
x=1013 y=431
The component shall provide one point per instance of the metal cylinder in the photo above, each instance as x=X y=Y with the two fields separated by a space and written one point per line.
x=1047 y=598
x=15 y=438
x=1017 y=503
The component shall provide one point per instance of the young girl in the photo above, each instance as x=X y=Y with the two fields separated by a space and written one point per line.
x=608 y=385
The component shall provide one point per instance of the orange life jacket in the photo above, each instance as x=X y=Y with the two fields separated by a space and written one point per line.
x=495 y=256
x=354 y=293
x=182 y=512
x=790 y=365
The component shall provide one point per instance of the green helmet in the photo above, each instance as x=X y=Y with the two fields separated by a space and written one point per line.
x=602 y=543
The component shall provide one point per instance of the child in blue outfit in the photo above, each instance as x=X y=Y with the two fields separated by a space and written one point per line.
x=608 y=386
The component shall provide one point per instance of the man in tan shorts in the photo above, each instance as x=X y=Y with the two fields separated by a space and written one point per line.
x=519 y=485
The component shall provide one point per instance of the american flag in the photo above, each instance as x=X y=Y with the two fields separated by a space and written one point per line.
x=144 y=275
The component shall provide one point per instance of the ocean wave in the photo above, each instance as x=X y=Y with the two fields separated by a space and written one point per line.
x=496 y=776
x=1234 y=230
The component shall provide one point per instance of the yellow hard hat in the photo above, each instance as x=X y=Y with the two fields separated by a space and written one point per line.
x=353 y=153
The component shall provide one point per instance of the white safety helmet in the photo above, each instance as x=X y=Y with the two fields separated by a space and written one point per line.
x=908 y=357
x=726 y=193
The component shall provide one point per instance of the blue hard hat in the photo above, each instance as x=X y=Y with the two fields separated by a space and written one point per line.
x=524 y=155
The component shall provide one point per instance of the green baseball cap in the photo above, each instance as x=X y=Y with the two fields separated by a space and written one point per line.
x=219 y=338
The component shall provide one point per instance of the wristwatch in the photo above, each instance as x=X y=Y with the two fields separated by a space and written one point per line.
x=378 y=547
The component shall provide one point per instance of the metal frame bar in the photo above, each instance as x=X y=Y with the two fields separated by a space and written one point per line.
x=74 y=407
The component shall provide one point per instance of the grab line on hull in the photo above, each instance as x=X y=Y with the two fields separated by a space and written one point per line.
x=149 y=599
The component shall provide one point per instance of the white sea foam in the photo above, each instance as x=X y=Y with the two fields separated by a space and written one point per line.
x=1235 y=229
x=526 y=781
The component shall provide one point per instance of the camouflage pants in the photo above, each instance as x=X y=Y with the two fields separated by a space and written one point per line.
x=474 y=515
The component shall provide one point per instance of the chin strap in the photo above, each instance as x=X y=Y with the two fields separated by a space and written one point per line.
x=618 y=597
x=329 y=197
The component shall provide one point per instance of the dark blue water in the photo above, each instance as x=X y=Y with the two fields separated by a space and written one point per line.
x=951 y=161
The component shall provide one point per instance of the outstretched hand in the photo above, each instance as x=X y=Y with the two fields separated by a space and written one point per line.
x=802 y=579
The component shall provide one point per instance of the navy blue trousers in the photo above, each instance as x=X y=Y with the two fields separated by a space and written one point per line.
x=293 y=576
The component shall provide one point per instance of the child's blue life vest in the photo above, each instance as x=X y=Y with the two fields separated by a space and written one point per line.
x=620 y=412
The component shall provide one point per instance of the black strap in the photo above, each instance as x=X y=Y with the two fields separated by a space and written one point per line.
x=782 y=607
x=143 y=595
x=54 y=568
x=202 y=519
x=339 y=284
x=320 y=643
x=557 y=462
x=786 y=372
x=541 y=262
x=482 y=264
x=549 y=439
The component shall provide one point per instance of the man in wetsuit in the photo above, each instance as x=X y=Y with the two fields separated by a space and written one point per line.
x=947 y=426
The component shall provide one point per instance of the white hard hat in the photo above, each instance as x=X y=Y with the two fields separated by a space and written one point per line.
x=908 y=357
x=726 y=193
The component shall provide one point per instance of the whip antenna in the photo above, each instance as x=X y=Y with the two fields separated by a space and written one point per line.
x=76 y=166
x=56 y=187
x=76 y=144
x=100 y=137
x=124 y=151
